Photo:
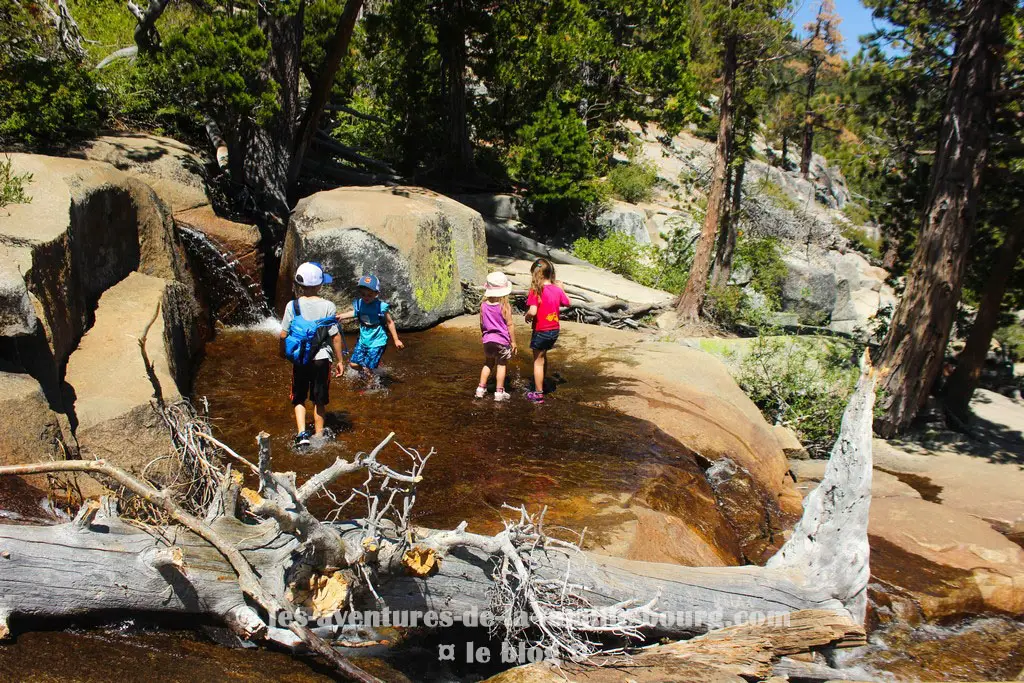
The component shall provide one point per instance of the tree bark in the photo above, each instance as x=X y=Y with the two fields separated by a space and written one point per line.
x=691 y=301
x=727 y=237
x=915 y=344
x=964 y=380
x=320 y=92
x=807 y=149
x=453 y=57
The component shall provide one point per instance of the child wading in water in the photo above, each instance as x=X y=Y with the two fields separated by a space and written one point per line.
x=498 y=334
x=544 y=300
x=373 y=316
x=310 y=340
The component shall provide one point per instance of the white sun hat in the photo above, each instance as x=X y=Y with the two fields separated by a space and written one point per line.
x=497 y=285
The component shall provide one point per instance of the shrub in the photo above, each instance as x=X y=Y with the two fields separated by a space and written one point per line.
x=801 y=383
x=726 y=306
x=862 y=241
x=620 y=253
x=12 y=186
x=633 y=182
x=1011 y=337
x=46 y=103
x=777 y=196
x=763 y=256
x=858 y=214
x=553 y=157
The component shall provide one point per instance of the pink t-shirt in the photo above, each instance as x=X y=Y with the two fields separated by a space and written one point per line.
x=547 y=305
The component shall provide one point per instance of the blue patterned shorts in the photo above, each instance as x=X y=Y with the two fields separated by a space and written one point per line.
x=367 y=356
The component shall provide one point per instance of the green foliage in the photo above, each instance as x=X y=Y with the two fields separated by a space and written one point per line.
x=863 y=241
x=1011 y=337
x=47 y=99
x=763 y=256
x=801 y=383
x=214 y=68
x=644 y=263
x=727 y=306
x=46 y=104
x=12 y=185
x=554 y=158
x=778 y=196
x=857 y=213
x=633 y=182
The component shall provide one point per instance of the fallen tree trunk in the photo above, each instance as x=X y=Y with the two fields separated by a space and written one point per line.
x=260 y=561
x=499 y=235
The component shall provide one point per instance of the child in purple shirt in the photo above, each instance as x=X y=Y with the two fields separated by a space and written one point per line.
x=497 y=334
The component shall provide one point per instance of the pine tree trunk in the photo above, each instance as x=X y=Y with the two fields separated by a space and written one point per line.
x=692 y=299
x=727 y=238
x=320 y=91
x=808 y=142
x=460 y=152
x=914 y=347
x=266 y=151
x=971 y=361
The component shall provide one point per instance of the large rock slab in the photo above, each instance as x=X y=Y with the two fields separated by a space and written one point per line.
x=861 y=291
x=175 y=172
x=420 y=244
x=598 y=285
x=946 y=562
x=676 y=513
x=86 y=228
x=29 y=428
x=809 y=289
x=626 y=219
x=108 y=377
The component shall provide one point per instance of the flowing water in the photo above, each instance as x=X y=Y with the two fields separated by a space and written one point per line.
x=235 y=298
x=572 y=453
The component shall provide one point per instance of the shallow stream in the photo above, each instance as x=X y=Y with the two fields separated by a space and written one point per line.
x=573 y=454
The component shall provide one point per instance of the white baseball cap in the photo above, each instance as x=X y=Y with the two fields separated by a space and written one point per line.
x=311 y=274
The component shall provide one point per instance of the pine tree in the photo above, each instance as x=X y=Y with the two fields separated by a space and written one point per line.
x=914 y=347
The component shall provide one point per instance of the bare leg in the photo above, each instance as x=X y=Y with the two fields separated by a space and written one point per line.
x=300 y=418
x=499 y=377
x=539 y=358
x=318 y=418
x=485 y=371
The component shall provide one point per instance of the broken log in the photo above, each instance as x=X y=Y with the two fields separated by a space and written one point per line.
x=247 y=562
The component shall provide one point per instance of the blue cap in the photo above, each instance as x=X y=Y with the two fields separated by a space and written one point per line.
x=370 y=282
x=327 y=278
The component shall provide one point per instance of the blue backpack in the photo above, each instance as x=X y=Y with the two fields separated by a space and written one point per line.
x=305 y=337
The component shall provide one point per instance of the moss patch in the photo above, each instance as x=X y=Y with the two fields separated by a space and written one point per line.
x=434 y=265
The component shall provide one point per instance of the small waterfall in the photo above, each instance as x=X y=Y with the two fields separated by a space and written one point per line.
x=234 y=297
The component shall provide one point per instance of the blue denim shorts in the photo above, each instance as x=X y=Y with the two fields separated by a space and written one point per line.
x=367 y=356
x=543 y=341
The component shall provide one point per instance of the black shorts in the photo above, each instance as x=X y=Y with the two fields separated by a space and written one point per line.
x=543 y=341
x=313 y=381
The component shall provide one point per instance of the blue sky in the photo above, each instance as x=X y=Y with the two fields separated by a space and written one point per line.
x=856 y=20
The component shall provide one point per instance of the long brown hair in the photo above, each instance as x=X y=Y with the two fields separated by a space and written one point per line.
x=543 y=271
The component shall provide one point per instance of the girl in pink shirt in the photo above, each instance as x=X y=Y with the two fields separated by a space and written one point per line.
x=497 y=334
x=545 y=301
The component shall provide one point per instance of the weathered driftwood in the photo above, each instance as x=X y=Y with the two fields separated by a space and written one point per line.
x=247 y=559
x=745 y=652
x=498 y=234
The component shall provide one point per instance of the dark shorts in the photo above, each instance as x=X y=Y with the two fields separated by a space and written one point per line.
x=367 y=356
x=543 y=341
x=312 y=381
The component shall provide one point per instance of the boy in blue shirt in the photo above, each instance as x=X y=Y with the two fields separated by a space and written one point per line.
x=373 y=316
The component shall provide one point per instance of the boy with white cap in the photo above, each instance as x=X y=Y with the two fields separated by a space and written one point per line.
x=311 y=340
